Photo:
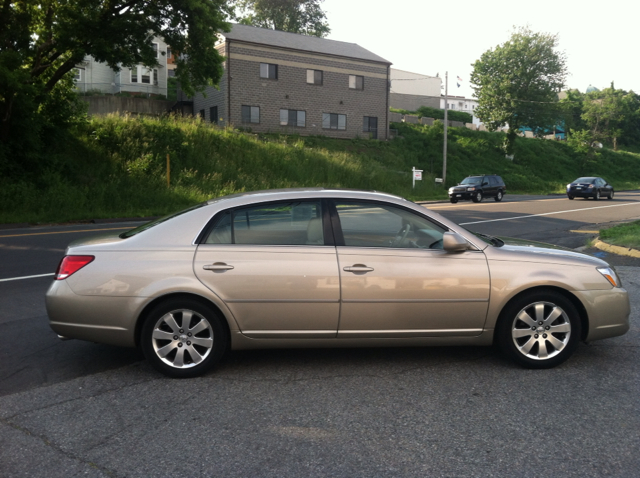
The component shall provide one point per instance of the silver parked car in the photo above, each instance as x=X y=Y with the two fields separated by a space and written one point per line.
x=327 y=268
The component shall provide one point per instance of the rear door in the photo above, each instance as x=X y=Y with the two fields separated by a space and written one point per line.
x=271 y=265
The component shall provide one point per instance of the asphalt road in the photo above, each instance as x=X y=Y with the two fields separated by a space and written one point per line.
x=75 y=408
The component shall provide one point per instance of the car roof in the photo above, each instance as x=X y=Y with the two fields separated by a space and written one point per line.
x=286 y=193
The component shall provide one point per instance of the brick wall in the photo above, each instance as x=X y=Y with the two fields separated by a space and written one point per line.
x=292 y=92
x=214 y=96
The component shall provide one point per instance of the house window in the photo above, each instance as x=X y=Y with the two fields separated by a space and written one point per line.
x=146 y=75
x=293 y=118
x=356 y=82
x=168 y=52
x=370 y=125
x=314 y=77
x=77 y=74
x=250 y=114
x=134 y=74
x=171 y=73
x=155 y=49
x=334 y=121
x=213 y=114
x=269 y=70
x=201 y=114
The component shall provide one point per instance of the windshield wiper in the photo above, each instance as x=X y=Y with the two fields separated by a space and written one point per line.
x=494 y=240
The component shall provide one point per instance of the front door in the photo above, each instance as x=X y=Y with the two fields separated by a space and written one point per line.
x=397 y=281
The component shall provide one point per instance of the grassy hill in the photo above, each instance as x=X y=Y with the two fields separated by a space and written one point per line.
x=116 y=166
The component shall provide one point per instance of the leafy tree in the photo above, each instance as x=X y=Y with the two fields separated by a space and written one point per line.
x=295 y=16
x=517 y=84
x=571 y=111
x=41 y=41
x=610 y=113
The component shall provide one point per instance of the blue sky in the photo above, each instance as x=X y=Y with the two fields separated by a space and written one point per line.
x=429 y=37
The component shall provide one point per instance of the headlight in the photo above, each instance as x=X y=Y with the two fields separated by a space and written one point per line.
x=610 y=275
x=471 y=189
x=589 y=186
x=568 y=186
x=450 y=190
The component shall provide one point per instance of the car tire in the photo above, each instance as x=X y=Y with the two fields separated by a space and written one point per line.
x=170 y=332
x=596 y=195
x=570 y=197
x=478 y=197
x=540 y=329
x=498 y=197
x=453 y=201
x=610 y=196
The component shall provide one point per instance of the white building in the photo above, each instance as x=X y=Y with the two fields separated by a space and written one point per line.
x=460 y=103
x=407 y=83
x=139 y=80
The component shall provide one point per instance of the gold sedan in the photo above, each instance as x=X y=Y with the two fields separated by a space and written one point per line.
x=327 y=268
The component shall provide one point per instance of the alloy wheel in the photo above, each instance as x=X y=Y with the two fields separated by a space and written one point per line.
x=541 y=330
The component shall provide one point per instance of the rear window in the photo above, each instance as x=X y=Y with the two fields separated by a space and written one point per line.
x=585 y=180
x=160 y=220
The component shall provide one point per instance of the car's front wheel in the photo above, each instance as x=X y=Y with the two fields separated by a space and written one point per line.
x=183 y=338
x=498 y=197
x=539 y=329
x=610 y=195
x=596 y=195
x=478 y=197
x=570 y=196
x=453 y=201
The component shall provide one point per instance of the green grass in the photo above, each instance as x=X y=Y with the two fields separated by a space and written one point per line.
x=116 y=166
x=626 y=235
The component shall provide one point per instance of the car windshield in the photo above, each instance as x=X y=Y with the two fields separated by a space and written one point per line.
x=584 y=180
x=472 y=180
x=160 y=220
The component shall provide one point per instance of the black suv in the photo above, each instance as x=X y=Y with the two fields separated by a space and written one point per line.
x=477 y=188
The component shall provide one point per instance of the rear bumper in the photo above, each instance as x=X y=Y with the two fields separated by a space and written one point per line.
x=583 y=193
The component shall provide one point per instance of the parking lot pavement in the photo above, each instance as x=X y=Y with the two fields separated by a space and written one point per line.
x=356 y=412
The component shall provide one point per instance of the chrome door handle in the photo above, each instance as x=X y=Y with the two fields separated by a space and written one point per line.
x=217 y=266
x=357 y=268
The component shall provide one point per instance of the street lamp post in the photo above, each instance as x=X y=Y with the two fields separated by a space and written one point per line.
x=446 y=123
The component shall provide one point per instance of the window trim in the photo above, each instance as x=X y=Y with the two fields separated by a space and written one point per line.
x=338 y=128
x=296 y=125
x=337 y=225
x=314 y=77
x=269 y=71
x=356 y=82
x=250 y=114
x=327 y=224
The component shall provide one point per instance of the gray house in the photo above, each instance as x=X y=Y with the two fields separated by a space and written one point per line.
x=283 y=82
x=91 y=75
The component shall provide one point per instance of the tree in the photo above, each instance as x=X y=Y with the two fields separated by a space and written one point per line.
x=42 y=41
x=295 y=16
x=610 y=113
x=517 y=84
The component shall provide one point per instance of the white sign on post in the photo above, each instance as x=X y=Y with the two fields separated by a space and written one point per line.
x=417 y=175
x=438 y=180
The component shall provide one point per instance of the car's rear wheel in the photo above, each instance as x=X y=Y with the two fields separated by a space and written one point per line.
x=539 y=329
x=498 y=197
x=610 y=195
x=478 y=197
x=183 y=338
x=453 y=201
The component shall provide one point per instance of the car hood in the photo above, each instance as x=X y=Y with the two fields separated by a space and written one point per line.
x=533 y=251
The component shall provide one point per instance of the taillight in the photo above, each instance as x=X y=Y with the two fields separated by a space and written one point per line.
x=72 y=264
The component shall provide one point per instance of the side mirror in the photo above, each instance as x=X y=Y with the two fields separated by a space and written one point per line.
x=454 y=242
x=486 y=183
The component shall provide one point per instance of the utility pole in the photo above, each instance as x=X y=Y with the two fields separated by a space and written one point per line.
x=446 y=123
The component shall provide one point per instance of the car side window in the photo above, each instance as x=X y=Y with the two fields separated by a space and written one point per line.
x=493 y=181
x=367 y=224
x=283 y=223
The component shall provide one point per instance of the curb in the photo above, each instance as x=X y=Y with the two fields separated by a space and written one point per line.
x=621 y=251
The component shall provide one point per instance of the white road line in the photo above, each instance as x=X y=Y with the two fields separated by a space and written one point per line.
x=549 y=213
x=27 y=277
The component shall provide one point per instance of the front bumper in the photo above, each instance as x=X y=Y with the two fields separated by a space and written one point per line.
x=463 y=195
x=608 y=312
